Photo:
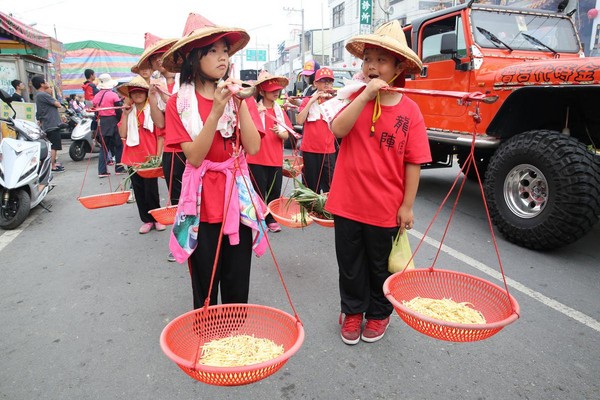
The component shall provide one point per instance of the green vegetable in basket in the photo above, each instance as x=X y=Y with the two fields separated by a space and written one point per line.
x=310 y=201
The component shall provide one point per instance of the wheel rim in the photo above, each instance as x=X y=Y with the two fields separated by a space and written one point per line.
x=9 y=210
x=526 y=191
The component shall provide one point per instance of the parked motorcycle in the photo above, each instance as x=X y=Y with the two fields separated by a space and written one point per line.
x=25 y=173
x=82 y=138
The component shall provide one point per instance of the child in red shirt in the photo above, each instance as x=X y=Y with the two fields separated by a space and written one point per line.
x=266 y=166
x=217 y=197
x=140 y=142
x=376 y=178
x=318 y=142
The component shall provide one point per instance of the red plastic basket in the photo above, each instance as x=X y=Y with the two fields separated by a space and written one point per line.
x=297 y=162
x=496 y=305
x=164 y=215
x=104 y=200
x=182 y=339
x=282 y=209
x=156 y=172
x=328 y=223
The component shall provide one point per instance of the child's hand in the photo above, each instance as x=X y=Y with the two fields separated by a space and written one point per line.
x=373 y=88
x=221 y=97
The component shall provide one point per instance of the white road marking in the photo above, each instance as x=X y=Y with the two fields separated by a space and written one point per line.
x=8 y=236
x=561 y=308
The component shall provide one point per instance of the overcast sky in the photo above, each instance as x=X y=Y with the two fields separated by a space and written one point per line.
x=125 y=21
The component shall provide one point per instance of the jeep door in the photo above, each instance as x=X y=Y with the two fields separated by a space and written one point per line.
x=440 y=71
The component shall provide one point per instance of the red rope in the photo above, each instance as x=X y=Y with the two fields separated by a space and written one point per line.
x=470 y=161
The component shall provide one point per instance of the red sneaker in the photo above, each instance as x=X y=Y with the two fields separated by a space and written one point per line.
x=375 y=329
x=351 y=328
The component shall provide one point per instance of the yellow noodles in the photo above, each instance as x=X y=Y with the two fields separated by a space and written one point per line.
x=299 y=218
x=238 y=350
x=446 y=310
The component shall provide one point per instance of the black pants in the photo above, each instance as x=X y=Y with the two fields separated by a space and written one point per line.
x=176 y=163
x=362 y=254
x=267 y=183
x=233 y=268
x=146 y=196
x=318 y=171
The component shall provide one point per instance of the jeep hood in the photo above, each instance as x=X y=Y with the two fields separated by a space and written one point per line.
x=573 y=71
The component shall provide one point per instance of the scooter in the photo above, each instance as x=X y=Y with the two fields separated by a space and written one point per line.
x=82 y=138
x=25 y=173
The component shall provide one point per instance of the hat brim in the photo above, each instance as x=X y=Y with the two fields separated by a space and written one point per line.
x=279 y=80
x=144 y=62
x=307 y=73
x=271 y=86
x=236 y=39
x=137 y=83
x=356 y=47
x=107 y=85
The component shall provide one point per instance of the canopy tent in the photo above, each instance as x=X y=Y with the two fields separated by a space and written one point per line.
x=102 y=57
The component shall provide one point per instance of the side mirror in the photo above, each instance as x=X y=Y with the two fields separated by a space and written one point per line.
x=448 y=44
x=5 y=96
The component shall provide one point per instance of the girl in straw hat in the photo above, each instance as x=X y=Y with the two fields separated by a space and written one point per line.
x=141 y=141
x=318 y=142
x=267 y=164
x=376 y=178
x=163 y=84
x=217 y=197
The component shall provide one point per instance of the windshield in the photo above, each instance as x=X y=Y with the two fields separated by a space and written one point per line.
x=516 y=31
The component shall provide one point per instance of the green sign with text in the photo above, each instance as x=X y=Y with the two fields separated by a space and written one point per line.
x=256 y=55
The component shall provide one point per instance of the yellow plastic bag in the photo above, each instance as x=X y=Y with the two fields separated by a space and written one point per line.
x=400 y=254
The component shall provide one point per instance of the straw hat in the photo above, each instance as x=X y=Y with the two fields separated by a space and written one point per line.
x=137 y=82
x=200 y=32
x=152 y=45
x=106 y=82
x=388 y=36
x=270 y=83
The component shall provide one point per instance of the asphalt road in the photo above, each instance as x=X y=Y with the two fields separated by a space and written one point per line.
x=84 y=299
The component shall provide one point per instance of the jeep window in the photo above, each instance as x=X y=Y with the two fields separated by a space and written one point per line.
x=554 y=32
x=432 y=39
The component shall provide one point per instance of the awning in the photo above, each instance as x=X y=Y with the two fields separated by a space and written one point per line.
x=23 y=32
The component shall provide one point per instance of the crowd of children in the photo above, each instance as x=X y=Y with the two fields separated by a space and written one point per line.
x=222 y=157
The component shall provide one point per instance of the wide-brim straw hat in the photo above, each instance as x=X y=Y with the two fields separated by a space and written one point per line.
x=236 y=39
x=390 y=37
x=160 y=46
x=135 y=82
x=267 y=78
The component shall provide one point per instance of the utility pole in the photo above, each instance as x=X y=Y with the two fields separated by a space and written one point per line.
x=301 y=11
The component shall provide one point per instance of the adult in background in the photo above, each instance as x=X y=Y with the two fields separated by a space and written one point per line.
x=48 y=117
x=18 y=94
x=109 y=133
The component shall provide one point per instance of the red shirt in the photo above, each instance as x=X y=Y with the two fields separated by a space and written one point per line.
x=368 y=182
x=213 y=183
x=316 y=135
x=174 y=148
x=147 y=147
x=271 y=146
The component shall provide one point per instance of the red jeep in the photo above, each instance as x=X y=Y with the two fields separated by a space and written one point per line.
x=537 y=144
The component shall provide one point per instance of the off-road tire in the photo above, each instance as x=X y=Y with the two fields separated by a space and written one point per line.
x=554 y=166
x=16 y=210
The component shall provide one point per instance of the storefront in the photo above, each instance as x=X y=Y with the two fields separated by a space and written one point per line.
x=25 y=52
